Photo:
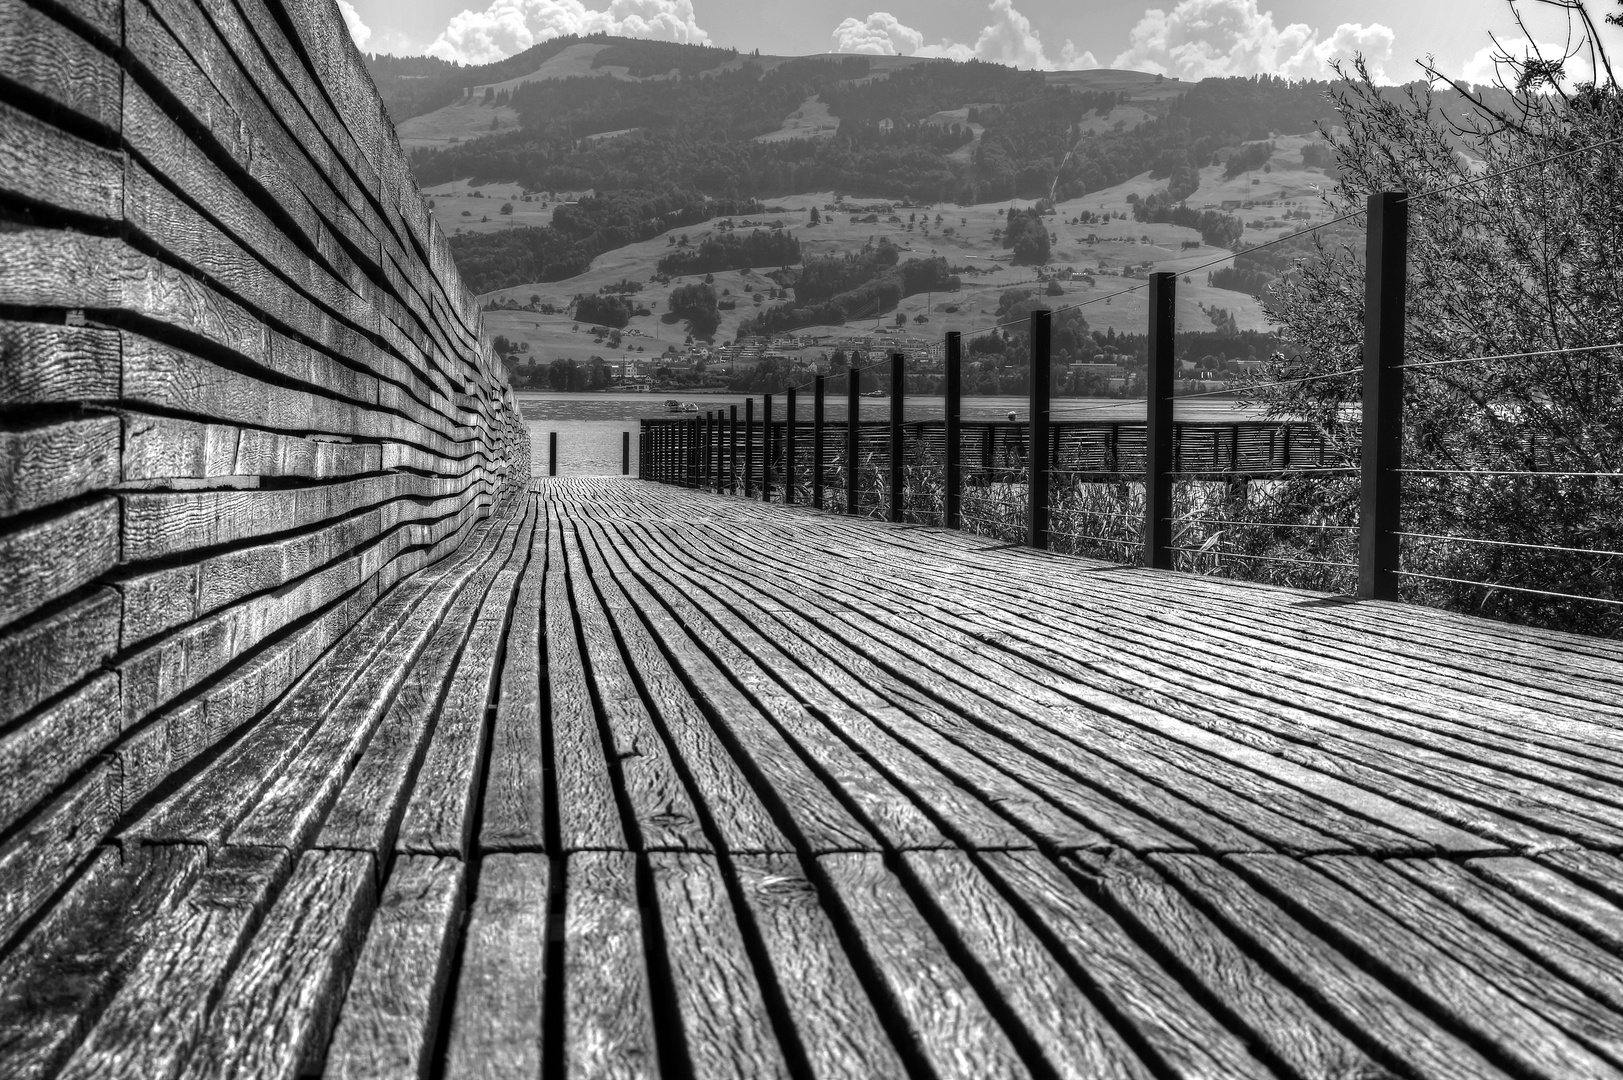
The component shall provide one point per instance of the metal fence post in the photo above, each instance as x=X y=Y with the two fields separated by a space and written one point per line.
x=766 y=447
x=1037 y=512
x=954 y=473
x=1385 y=297
x=1158 y=435
x=732 y=452
x=789 y=447
x=853 y=414
x=552 y=453
x=625 y=453
x=898 y=385
x=749 y=446
x=818 y=387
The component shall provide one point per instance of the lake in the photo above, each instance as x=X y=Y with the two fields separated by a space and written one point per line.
x=590 y=426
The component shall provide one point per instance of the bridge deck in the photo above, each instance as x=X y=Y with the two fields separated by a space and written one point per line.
x=649 y=781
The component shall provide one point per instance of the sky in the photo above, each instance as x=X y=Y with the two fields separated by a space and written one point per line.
x=1188 y=38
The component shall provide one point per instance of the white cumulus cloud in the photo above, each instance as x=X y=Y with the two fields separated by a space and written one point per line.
x=357 y=29
x=511 y=26
x=1008 y=39
x=880 y=34
x=1199 y=39
x=1492 y=64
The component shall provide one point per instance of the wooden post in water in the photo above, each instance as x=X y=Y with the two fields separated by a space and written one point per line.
x=625 y=453
x=853 y=414
x=898 y=474
x=695 y=429
x=1159 y=433
x=552 y=453
x=1385 y=297
x=766 y=447
x=749 y=443
x=789 y=447
x=1037 y=456
x=817 y=440
x=954 y=479
x=732 y=452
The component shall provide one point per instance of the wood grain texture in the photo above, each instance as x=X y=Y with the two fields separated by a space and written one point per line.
x=45 y=846
x=276 y=1011
x=51 y=557
x=496 y=1023
x=58 y=978
x=392 y=1008
x=42 y=363
x=43 y=656
x=44 y=751
x=726 y=1029
x=47 y=57
x=48 y=166
x=608 y=1012
x=949 y=1024
x=513 y=812
x=160 y=1013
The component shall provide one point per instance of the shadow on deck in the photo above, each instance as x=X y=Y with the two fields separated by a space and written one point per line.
x=648 y=781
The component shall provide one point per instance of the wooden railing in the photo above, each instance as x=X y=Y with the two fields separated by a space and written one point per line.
x=242 y=392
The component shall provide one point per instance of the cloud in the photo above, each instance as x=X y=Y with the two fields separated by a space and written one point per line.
x=511 y=26
x=357 y=29
x=1200 y=39
x=1009 y=39
x=1492 y=64
x=881 y=34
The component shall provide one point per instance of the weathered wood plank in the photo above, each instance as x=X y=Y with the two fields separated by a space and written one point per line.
x=51 y=557
x=950 y=1026
x=839 y=1029
x=59 y=171
x=513 y=811
x=159 y=1015
x=43 y=363
x=44 y=656
x=1267 y=1012
x=392 y=1008
x=49 y=58
x=726 y=1029
x=608 y=1023
x=276 y=1010
x=496 y=1022
x=50 y=842
x=54 y=984
x=47 y=749
x=1559 y=895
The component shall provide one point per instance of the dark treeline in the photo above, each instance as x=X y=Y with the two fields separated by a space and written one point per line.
x=730 y=251
x=579 y=233
x=838 y=289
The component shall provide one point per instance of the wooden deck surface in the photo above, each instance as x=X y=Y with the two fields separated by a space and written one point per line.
x=646 y=782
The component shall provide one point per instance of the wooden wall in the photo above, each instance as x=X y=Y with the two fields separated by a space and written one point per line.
x=243 y=391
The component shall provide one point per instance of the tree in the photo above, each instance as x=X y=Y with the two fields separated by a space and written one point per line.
x=816 y=216
x=901 y=319
x=1521 y=262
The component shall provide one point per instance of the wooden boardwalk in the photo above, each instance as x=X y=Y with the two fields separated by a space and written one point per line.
x=644 y=781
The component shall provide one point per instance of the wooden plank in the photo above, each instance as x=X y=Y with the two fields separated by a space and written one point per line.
x=940 y=1010
x=50 y=557
x=496 y=1022
x=1503 y=1026
x=1559 y=947
x=1100 y=951
x=292 y=807
x=1263 y=1010
x=1567 y=900
x=42 y=657
x=513 y=810
x=588 y=816
x=392 y=1008
x=40 y=53
x=1489 y=959
x=1068 y=1030
x=726 y=1029
x=662 y=814
x=46 y=364
x=877 y=806
x=164 y=451
x=608 y=1022
x=45 y=848
x=1387 y=1024
x=49 y=167
x=46 y=750
x=276 y=1010
x=55 y=982
x=839 y=1029
x=1597 y=870
x=777 y=771
x=159 y=1014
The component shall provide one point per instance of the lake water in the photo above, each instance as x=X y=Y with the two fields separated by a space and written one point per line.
x=590 y=426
